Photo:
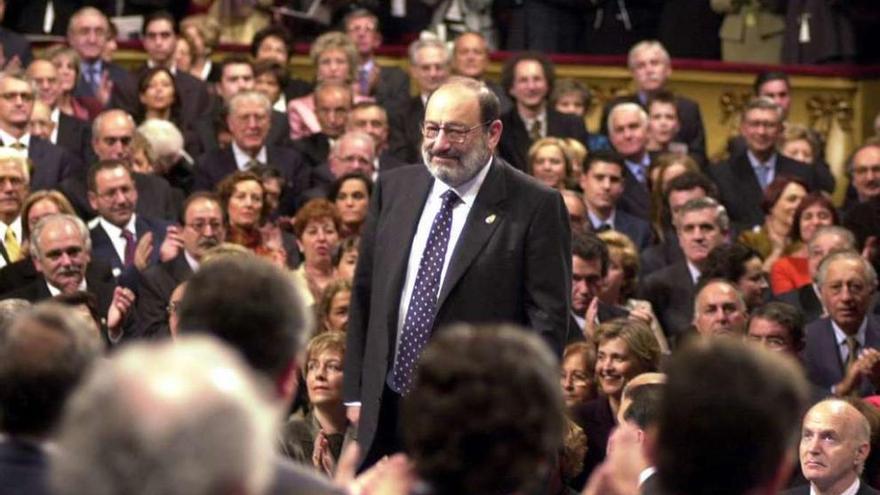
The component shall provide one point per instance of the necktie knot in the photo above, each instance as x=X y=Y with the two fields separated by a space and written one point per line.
x=535 y=131
x=450 y=199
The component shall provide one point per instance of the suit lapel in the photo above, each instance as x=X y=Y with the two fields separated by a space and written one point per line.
x=485 y=216
x=103 y=246
x=751 y=190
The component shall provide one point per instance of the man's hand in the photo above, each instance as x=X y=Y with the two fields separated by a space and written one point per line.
x=590 y=319
x=143 y=251
x=105 y=88
x=172 y=244
x=123 y=300
x=867 y=365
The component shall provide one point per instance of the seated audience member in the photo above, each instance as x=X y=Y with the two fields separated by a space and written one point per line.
x=743 y=179
x=248 y=122
x=781 y=200
x=628 y=132
x=316 y=226
x=603 y=186
x=36 y=206
x=466 y=369
x=203 y=32
x=87 y=36
x=826 y=240
x=624 y=350
x=570 y=96
x=702 y=225
x=332 y=308
x=70 y=133
x=677 y=192
x=864 y=170
x=40 y=123
x=352 y=152
x=790 y=271
x=578 y=378
x=651 y=66
x=351 y=195
x=388 y=86
x=202 y=230
x=841 y=352
x=128 y=242
x=639 y=406
x=719 y=309
x=345 y=258
x=798 y=143
x=158 y=98
x=335 y=59
x=169 y=159
x=589 y=257
x=68 y=65
x=317 y=437
x=373 y=119
x=243 y=200
x=214 y=433
x=183 y=54
x=577 y=211
x=550 y=164
x=741 y=266
x=620 y=284
x=470 y=58
x=834 y=469
x=268 y=79
x=229 y=297
x=869 y=474
x=664 y=168
x=528 y=78
x=60 y=248
x=332 y=103
x=43 y=355
x=273 y=44
x=663 y=124
x=778 y=327
x=429 y=67
x=577 y=153
x=14 y=188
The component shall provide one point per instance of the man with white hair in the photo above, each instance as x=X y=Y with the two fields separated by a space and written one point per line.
x=628 y=132
x=248 y=121
x=14 y=187
x=171 y=159
x=181 y=417
x=651 y=66
x=354 y=151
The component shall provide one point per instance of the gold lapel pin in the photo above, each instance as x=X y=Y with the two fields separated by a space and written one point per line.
x=490 y=219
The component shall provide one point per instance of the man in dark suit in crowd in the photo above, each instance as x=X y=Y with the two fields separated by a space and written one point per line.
x=778 y=327
x=44 y=353
x=388 y=85
x=60 y=248
x=332 y=105
x=602 y=183
x=719 y=310
x=702 y=225
x=13 y=45
x=236 y=75
x=639 y=406
x=70 y=133
x=230 y=297
x=159 y=39
x=825 y=241
x=834 y=468
x=353 y=152
x=475 y=255
x=528 y=78
x=589 y=266
x=87 y=34
x=429 y=67
x=842 y=348
x=651 y=66
x=248 y=120
x=112 y=133
x=373 y=119
x=628 y=133
x=680 y=190
x=51 y=163
x=864 y=169
x=470 y=58
x=14 y=188
x=203 y=228
x=743 y=179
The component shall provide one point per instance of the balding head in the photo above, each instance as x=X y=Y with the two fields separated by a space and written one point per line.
x=835 y=441
x=112 y=132
x=719 y=309
x=354 y=151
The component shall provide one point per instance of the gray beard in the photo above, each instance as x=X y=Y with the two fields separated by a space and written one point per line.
x=470 y=164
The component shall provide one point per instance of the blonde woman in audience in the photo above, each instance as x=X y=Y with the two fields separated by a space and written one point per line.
x=798 y=143
x=66 y=62
x=333 y=307
x=549 y=163
x=577 y=152
x=203 y=32
x=620 y=284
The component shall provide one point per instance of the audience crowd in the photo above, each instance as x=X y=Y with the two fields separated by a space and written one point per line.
x=216 y=277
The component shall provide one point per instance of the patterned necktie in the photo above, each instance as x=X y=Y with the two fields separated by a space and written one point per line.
x=13 y=248
x=852 y=347
x=763 y=173
x=603 y=228
x=18 y=145
x=94 y=78
x=251 y=164
x=535 y=131
x=422 y=304
x=130 y=246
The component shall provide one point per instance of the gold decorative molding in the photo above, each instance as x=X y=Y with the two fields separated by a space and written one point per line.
x=823 y=110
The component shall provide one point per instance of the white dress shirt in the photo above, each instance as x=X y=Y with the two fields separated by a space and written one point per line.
x=852 y=490
x=8 y=139
x=55 y=117
x=115 y=235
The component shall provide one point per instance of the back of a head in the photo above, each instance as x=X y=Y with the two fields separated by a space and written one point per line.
x=168 y=418
x=43 y=356
x=729 y=413
x=486 y=414
x=251 y=305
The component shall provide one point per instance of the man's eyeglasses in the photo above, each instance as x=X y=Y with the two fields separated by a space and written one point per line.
x=12 y=95
x=454 y=134
x=111 y=140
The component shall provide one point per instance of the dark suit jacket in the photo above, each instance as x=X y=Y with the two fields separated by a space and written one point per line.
x=515 y=142
x=157 y=284
x=314 y=149
x=51 y=164
x=387 y=162
x=156 y=199
x=27 y=17
x=192 y=92
x=75 y=136
x=116 y=73
x=18 y=274
x=864 y=489
x=15 y=45
x=804 y=299
x=638 y=230
x=205 y=129
x=213 y=166
x=636 y=199
x=822 y=358
x=512 y=263
x=741 y=193
x=405 y=130
x=671 y=293
x=605 y=312
x=102 y=248
x=662 y=254
x=392 y=90
x=24 y=468
x=597 y=421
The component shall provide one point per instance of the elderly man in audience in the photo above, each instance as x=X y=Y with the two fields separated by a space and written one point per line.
x=651 y=66
x=628 y=133
x=43 y=355
x=429 y=67
x=188 y=415
x=470 y=58
x=389 y=86
x=835 y=443
x=528 y=78
x=702 y=224
x=825 y=241
x=14 y=188
x=354 y=151
x=841 y=352
x=228 y=298
x=373 y=119
x=170 y=160
x=719 y=310
x=87 y=33
x=778 y=327
x=864 y=168
x=248 y=121
x=61 y=248
x=332 y=105
x=70 y=133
